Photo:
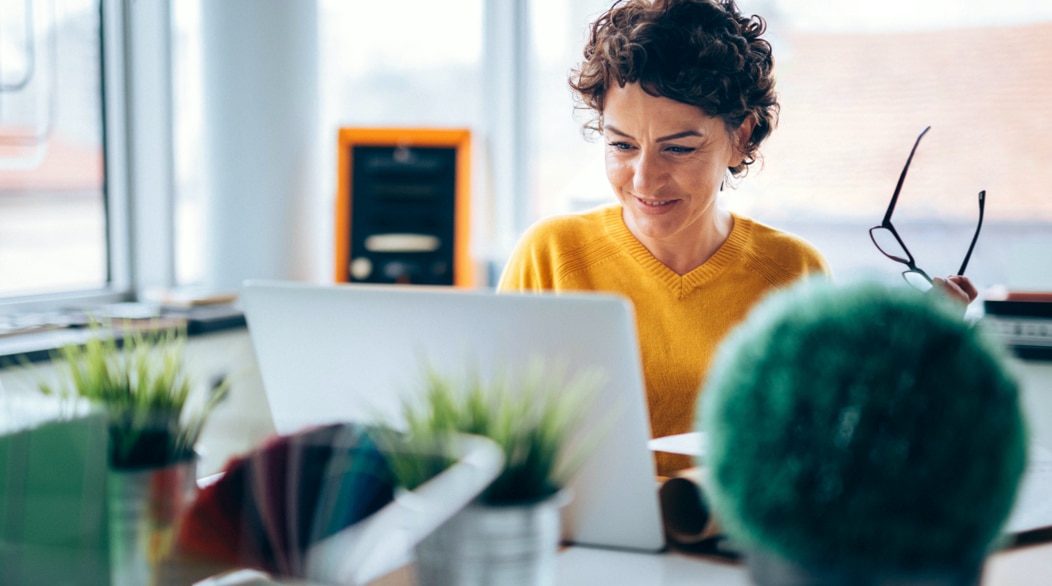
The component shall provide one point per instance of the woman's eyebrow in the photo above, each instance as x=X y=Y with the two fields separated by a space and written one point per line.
x=617 y=131
x=684 y=134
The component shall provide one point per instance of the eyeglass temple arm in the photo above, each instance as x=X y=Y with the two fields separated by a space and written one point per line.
x=902 y=178
x=975 y=237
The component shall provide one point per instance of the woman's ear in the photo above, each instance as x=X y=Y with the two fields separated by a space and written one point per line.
x=741 y=138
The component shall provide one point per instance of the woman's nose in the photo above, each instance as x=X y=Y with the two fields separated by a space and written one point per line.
x=648 y=175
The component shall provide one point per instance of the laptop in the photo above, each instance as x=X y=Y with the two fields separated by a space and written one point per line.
x=352 y=352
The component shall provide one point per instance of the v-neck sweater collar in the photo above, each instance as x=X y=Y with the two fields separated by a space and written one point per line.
x=729 y=253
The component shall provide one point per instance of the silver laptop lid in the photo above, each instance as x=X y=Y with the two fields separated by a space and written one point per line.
x=350 y=352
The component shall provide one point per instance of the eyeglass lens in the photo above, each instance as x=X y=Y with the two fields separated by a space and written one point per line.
x=917 y=279
x=886 y=242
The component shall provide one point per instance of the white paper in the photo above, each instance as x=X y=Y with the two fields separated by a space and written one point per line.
x=688 y=444
x=1033 y=504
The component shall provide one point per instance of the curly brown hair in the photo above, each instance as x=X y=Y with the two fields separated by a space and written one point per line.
x=700 y=52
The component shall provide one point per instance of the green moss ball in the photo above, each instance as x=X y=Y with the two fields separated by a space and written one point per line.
x=859 y=426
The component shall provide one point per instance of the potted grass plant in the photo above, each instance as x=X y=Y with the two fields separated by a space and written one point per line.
x=510 y=533
x=155 y=413
x=862 y=435
x=141 y=381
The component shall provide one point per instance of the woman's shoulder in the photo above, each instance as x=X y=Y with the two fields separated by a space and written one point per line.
x=784 y=248
x=541 y=256
x=570 y=230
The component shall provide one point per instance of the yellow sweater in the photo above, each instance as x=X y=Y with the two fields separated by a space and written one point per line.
x=680 y=319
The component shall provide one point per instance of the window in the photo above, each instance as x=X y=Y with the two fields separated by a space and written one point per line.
x=414 y=63
x=408 y=63
x=187 y=131
x=857 y=83
x=566 y=166
x=53 y=209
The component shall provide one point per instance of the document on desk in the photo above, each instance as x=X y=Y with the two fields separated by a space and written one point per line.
x=688 y=444
x=1033 y=504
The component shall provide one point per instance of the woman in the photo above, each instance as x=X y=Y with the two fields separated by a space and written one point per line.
x=683 y=95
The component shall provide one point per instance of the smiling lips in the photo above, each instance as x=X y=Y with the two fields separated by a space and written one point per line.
x=655 y=205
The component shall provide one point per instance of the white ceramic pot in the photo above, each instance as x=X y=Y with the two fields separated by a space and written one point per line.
x=494 y=545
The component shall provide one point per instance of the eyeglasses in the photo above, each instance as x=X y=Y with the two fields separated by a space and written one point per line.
x=890 y=244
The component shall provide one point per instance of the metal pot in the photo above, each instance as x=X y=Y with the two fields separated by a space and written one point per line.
x=494 y=545
x=145 y=506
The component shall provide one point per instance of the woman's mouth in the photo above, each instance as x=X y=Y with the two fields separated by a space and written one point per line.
x=656 y=205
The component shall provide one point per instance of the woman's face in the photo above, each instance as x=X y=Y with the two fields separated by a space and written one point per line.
x=665 y=161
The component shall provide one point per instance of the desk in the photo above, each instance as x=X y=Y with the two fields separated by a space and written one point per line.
x=1025 y=566
x=584 y=566
x=580 y=566
x=1022 y=566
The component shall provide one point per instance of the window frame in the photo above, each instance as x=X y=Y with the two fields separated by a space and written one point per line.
x=139 y=223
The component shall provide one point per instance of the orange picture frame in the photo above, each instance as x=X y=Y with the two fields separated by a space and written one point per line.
x=464 y=273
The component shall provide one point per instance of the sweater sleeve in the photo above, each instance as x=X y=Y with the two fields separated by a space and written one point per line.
x=816 y=264
x=530 y=266
x=783 y=257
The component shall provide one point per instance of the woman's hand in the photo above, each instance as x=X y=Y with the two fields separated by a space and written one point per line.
x=957 y=287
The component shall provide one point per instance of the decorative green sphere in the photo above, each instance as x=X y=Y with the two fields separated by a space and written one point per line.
x=858 y=426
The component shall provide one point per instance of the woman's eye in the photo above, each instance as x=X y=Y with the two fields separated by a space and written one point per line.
x=621 y=146
x=680 y=149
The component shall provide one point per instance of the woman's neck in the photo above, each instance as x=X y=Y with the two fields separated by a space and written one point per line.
x=687 y=251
